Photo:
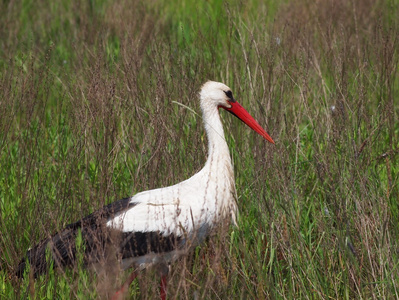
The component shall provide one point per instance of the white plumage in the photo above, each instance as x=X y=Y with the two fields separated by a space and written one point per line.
x=157 y=226
x=203 y=199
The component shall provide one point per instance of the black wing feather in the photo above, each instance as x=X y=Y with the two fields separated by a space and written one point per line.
x=97 y=239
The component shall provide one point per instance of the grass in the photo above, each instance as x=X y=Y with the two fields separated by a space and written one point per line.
x=88 y=111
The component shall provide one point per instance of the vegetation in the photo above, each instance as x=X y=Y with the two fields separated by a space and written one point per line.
x=97 y=102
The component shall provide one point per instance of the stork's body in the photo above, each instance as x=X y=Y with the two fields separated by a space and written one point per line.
x=157 y=226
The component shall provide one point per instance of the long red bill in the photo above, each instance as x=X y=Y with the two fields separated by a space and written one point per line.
x=240 y=112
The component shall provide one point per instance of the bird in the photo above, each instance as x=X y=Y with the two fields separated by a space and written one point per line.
x=154 y=228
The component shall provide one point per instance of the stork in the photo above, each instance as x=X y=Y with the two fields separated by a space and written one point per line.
x=155 y=227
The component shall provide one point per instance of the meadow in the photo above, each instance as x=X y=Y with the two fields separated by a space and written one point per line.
x=99 y=101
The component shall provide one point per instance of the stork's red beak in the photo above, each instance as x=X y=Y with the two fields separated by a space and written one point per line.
x=240 y=112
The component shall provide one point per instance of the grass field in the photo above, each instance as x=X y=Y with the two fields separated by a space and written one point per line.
x=89 y=114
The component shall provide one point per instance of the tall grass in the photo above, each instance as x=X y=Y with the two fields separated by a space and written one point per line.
x=88 y=115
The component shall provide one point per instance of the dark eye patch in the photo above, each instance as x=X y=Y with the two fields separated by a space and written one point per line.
x=230 y=95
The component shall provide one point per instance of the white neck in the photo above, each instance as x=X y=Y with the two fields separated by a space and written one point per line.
x=218 y=169
x=218 y=151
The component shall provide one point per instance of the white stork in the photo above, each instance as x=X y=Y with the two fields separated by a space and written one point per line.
x=155 y=227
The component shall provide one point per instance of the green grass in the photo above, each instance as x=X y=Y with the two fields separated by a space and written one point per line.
x=88 y=111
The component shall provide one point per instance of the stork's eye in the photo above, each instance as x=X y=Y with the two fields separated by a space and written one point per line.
x=230 y=95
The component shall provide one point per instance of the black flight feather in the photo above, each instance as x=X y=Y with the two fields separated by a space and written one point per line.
x=99 y=241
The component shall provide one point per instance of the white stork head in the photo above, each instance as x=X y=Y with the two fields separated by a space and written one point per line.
x=216 y=94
